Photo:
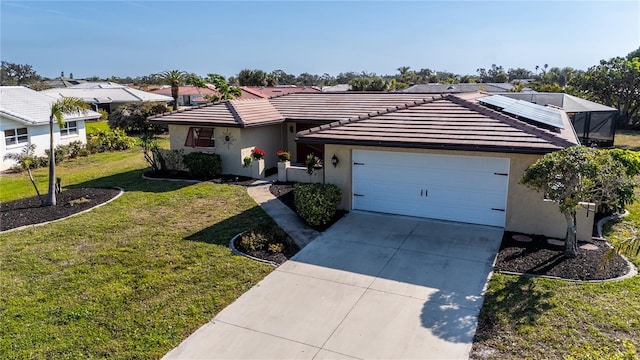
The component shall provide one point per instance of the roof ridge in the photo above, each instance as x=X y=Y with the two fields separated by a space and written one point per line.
x=511 y=121
x=131 y=93
x=235 y=113
x=253 y=92
x=404 y=106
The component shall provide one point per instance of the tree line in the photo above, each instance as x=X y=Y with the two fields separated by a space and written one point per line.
x=614 y=82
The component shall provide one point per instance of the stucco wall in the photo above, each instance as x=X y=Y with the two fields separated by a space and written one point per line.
x=527 y=211
x=38 y=135
x=240 y=143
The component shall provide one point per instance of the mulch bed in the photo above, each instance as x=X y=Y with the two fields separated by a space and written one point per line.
x=183 y=175
x=278 y=258
x=28 y=211
x=538 y=257
x=284 y=192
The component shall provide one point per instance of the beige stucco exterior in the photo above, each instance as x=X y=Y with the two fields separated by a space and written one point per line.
x=239 y=145
x=527 y=211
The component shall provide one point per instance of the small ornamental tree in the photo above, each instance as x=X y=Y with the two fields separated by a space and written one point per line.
x=60 y=108
x=581 y=174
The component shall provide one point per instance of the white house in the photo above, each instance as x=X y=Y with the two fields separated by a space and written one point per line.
x=24 y=120
x=106 y=95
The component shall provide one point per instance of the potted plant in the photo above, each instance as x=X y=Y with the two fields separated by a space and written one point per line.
x=283 y=164
x=283 y=155
x=258 y=153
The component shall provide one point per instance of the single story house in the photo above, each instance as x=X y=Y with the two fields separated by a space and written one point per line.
x=24 y=120
x=465 y=87
x=456 y=157
x=187 y=95
x=266 y=92
x=107 y=96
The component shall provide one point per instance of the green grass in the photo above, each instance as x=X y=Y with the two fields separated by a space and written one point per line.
x=533 y=318
x=627 y=139
x=130 y=279
x=94 y=126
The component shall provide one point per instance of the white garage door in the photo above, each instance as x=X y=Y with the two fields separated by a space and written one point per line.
x=470 y=189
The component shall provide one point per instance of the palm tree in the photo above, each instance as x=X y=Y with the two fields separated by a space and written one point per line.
x=174 y=78
x=225 y=91
x=59 y=108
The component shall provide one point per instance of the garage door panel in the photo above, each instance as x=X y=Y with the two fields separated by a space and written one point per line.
x=448 y=187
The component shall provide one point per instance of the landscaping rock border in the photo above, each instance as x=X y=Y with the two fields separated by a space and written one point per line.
x=240 y=253
x=633 y=270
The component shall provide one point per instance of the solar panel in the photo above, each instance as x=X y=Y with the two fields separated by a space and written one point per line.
x=525 y=109
x=497 y=100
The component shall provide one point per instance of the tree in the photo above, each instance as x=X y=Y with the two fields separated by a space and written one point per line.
x=519 y=73
x=581 y=174
x=247 y=77
x=133 y=117
x=174 y=78
x=59 y=109
x=225 y=91
x=495 y=74
x=17 y=74
x=633 y=54
x=26 y=160
x=615 y=83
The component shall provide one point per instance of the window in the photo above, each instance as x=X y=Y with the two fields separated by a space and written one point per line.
x=16 y=136
x=71 y=128
x=200 y=137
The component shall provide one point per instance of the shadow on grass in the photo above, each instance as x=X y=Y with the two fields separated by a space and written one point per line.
x=133 y=181
x=518 y=302
x=221 y=232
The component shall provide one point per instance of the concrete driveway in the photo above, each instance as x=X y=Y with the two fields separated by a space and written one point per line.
x=372 y=286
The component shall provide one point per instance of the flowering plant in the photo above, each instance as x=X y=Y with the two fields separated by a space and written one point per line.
x=283 y=155
x=257 y=153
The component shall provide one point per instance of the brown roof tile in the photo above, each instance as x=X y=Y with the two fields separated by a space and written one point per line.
x=448 y=122
x=255 y=112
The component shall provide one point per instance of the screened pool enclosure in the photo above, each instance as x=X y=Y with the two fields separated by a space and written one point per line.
x=595 y=124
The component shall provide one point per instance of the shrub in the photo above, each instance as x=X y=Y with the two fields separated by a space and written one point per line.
x=246 y=162
x=265 y=236
x=312 y=162
x=316 y=203
x=203 y=166
x=113 y=140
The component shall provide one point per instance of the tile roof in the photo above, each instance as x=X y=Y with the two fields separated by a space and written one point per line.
x=233 y=113
x=265 y=92
x=184 y=90
x=392 y=119
x=106 y=93
x=464 y=87
x=31 y=107
x=447 y=122
x=326 y=107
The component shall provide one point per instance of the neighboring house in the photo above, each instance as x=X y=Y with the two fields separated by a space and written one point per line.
x=455 y=157
x=24 y=120
x=266 y=92
x=187 y=95
x=63 y=82
x=336 y=88
x=106 y=95
x=461 y=88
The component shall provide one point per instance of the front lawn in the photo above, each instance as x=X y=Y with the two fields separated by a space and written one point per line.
x=130 y=279
x=534 y=318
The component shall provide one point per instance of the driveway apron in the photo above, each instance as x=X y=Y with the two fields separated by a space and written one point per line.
x=371 y=287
